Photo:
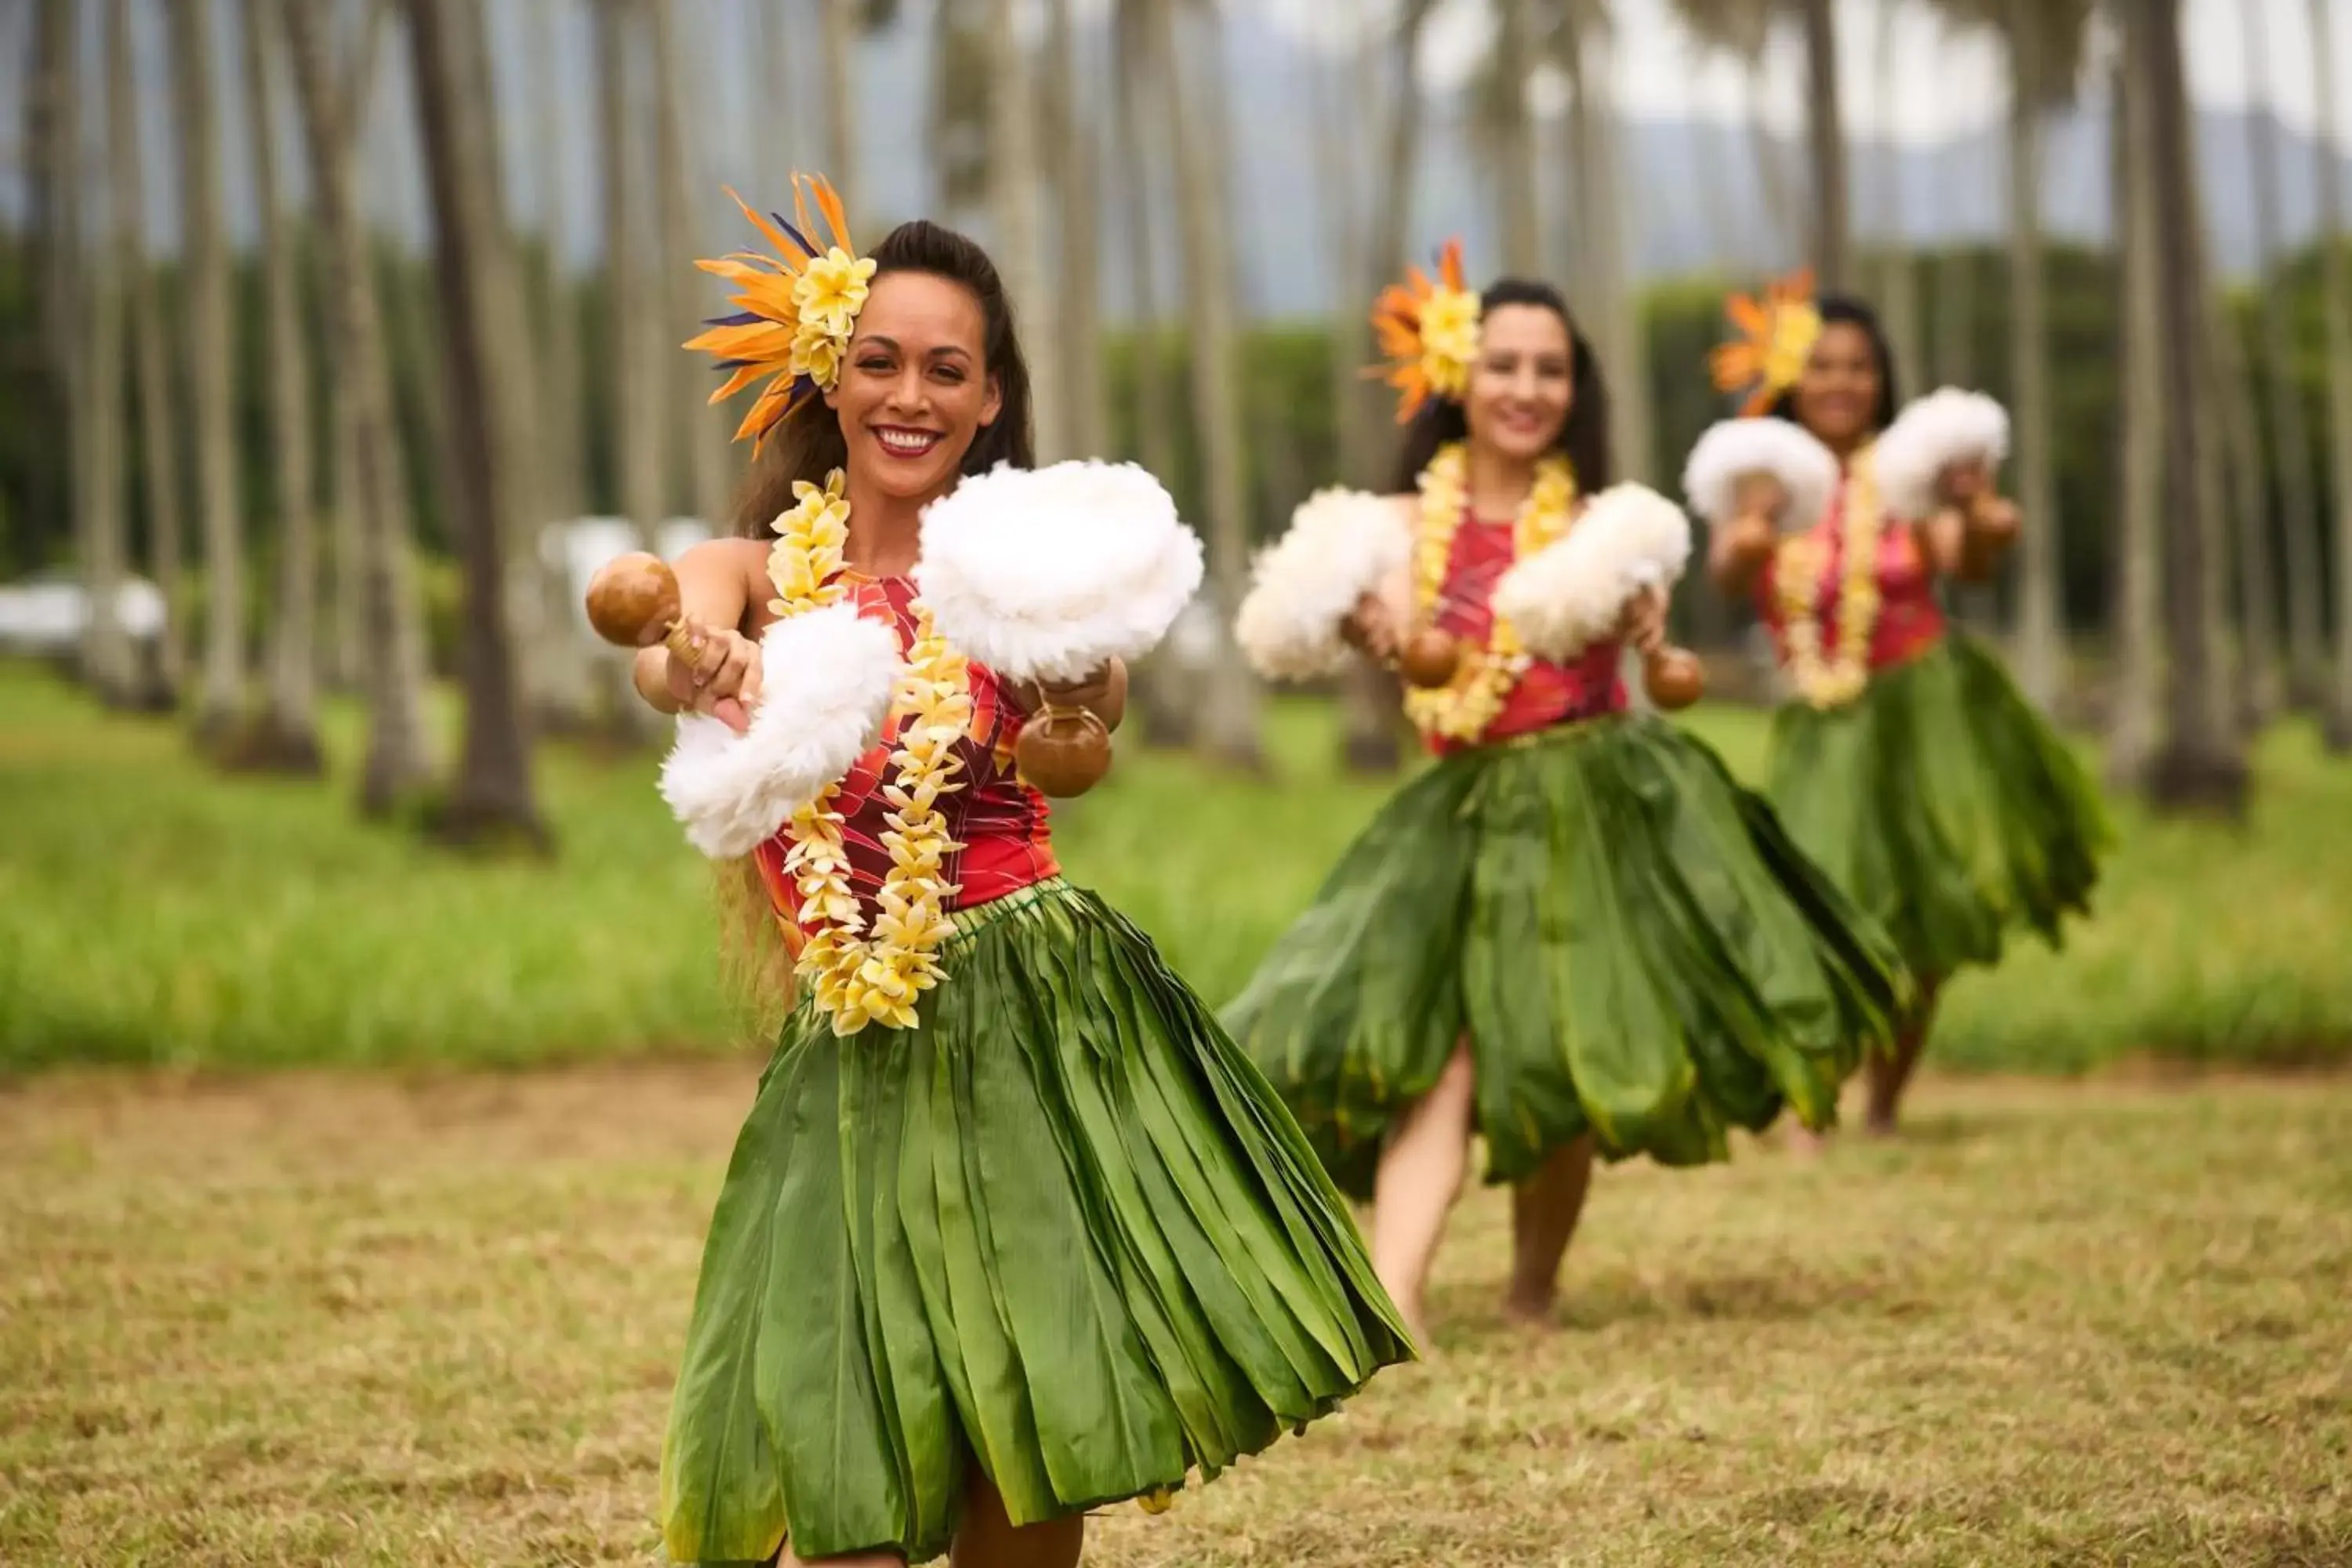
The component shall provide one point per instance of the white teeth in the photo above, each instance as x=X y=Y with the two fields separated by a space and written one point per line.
x=907 y=441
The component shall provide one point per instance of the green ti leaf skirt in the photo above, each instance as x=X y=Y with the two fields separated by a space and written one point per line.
x=1941 y=803
x=1061 y=1234
x=1628 y=938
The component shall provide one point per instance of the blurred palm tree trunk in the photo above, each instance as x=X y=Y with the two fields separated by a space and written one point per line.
x=1227 y=720
x=703 y=431
x=494 y=467
x=1078 y=201
x=2290 y=425
x=2202 y=763
x=211 y=385
x=2245 y=516
x=837 y=36
x=1518 y=207
x=2337 y=275
x=53 y=202
x=334 y=103
x=288 y=736
x=1013 y=167
x=1898 y=272
x=96 y=444
x=2041 y=649
x=1612 y=317
x=558 y=672
x=2132 y=718
x=637 y=433
x=1825 y=145
x=1371 y=738
x=159 y=432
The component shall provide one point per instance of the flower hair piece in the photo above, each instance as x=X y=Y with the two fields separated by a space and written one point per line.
x=797 y=307
x=1428 y=328
x=1777 y=335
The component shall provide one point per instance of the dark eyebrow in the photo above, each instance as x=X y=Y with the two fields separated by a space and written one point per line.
x=878 y=341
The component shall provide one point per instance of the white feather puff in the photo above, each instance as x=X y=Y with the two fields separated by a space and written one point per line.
x=1568 y=594
x=1046 y=573
x=826 y=680
x=1934 y=432
x=1734 y=448
x=1341 y=545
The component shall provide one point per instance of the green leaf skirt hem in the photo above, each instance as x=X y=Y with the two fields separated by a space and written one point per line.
x=1062 y=1233
x=1631 y=944
x=1941 y=803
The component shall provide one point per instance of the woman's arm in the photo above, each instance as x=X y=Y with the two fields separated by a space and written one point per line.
x=1103 y=694
x=1736 y=552
x=1973 y=530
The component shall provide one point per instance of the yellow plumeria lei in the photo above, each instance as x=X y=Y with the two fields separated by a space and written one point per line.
x=1796 y=579
x=860 y=978
x=1463 y=709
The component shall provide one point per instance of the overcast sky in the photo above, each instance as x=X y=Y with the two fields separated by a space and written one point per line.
x=1944 y=87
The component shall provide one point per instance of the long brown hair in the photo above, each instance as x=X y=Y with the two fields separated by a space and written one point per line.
x=808 y=445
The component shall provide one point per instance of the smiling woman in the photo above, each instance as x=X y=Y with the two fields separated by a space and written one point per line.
x=987 y=1065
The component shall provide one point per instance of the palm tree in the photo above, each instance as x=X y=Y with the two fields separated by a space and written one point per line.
x=1580 y=45
x=2133 y=719
x=334 y=103
x=220 y=698
x=1013 y=167
x=1898 y=272
x=1228 y=717
x=2336 y=273
x=640 y=364
x=1741 y=27
x=2200 y=763
x=288 y=736
x=495 y=474
x=1518 y=206
x=54 y=192
x=1070 y=143
x=2290 y=429
x=2045 y=41
x=96 y=444
x=704 y=432
x=159 y=432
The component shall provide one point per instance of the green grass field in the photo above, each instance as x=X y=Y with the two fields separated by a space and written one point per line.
x=432 y=1319
x=153 y=911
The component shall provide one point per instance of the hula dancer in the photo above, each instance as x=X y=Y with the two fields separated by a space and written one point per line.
x=1014 y=1230
x=1575 y=933
x=1907 y=765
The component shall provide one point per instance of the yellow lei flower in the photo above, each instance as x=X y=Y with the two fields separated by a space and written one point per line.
x=1463 y=711
x=857 y=977
x=831 y=291
x=1796 y=579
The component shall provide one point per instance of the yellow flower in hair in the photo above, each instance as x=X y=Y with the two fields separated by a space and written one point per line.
x=817 y=355
x=831 y=291
x=1776 y=338
x=1449 y=341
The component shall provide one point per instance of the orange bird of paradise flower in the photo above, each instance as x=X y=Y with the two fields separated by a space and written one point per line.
x=1777 y=335
x=1428 y=331
x=794 y=312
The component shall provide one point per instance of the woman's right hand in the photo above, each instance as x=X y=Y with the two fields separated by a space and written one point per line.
x=1371 y=628
x=720 y=677
x=1761 y=495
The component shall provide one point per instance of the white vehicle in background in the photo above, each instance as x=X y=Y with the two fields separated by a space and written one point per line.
x=44 y=615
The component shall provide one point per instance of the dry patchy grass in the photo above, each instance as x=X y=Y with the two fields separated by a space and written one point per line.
x=431 y=1321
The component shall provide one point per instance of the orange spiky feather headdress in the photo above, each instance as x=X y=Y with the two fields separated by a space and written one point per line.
x=1777 y=335
x=1428 y=328
x=797 y=308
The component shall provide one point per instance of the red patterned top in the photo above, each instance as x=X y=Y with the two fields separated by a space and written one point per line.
x=1000 y=821
x=1546 y=693
x=1909 y=622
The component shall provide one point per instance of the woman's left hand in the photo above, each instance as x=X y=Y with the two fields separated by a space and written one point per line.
x=1102 y=692
x=1962 y=483
x=1642 y=624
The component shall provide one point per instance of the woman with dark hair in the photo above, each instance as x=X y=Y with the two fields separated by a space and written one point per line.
x=1014 y=1230
x=1575 y=934
x=1907 y=765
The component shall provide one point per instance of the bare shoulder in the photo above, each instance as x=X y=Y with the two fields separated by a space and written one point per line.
x=1406 y=504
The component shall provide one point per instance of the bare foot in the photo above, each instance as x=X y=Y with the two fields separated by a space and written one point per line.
x=1880 y=1124
x=1531 y=1309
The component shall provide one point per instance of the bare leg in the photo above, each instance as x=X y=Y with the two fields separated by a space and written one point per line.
x=1544 y=1211
x=1420 y=1176
x=991 y=1539
x=1889 y=1075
